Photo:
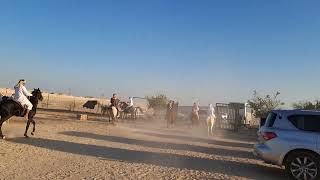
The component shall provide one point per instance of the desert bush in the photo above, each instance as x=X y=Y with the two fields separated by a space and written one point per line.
x=307 y=105
x=261 y=105
x=157 y=102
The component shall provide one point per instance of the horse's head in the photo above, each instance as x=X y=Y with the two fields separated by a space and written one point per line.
x=123 y=105
x=37 y=94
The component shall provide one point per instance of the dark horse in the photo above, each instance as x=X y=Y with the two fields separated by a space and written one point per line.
x=127 y=110
x=9 y=108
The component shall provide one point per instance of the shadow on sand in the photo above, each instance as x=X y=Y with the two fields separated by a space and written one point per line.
x=162 y=145
x=152 y=158
x=195 y=139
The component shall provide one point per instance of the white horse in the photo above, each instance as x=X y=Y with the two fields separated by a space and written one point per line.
x=211 y=120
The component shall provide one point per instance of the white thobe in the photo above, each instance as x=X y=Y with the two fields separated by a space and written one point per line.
x=21 y=95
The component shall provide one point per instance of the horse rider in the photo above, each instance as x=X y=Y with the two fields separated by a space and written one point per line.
x=169 y=114
x=175 y=110
x=211 y=112
x=130 y=104
x=115 y=103
x=21 y=95
x=195 y=112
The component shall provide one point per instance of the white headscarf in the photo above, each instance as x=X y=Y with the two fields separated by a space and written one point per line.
x=20 y=83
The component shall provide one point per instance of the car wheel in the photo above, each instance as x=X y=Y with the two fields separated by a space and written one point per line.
x=303 y=166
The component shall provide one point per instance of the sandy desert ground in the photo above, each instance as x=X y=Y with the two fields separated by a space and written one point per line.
x=65 y=148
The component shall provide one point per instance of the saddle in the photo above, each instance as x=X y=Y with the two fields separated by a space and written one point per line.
x=21 y=111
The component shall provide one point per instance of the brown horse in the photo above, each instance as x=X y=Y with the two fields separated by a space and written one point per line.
x=195 y=118
x=111 y=111
x=171 y=114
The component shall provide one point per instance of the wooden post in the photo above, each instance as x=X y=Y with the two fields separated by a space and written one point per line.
x=82 y=117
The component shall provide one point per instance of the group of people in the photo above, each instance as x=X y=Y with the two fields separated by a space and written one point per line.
x=115 y=102
x=172 y=113
x=195 y=112
x=21 y=95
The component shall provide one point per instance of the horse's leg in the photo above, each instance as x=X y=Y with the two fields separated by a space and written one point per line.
x=173 y=119
x=134 y=113
x=115 y=113
x=2 y=120
x=27 y=128
x=212 y=128
x=34 y=127
x=1 y=135
x=213 y=124
x=109 y=114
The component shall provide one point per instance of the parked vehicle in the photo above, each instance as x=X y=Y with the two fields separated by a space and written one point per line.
x=291 y=138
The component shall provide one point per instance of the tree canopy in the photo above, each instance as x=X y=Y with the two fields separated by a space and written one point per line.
x=262 y=105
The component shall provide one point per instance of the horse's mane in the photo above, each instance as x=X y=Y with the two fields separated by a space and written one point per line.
x=35 y=90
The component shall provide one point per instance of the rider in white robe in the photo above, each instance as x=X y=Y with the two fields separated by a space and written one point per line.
x=21 y=95
x=211 y=112
x=130 y=104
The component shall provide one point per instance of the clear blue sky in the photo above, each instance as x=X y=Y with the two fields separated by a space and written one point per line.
x=206 y=50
